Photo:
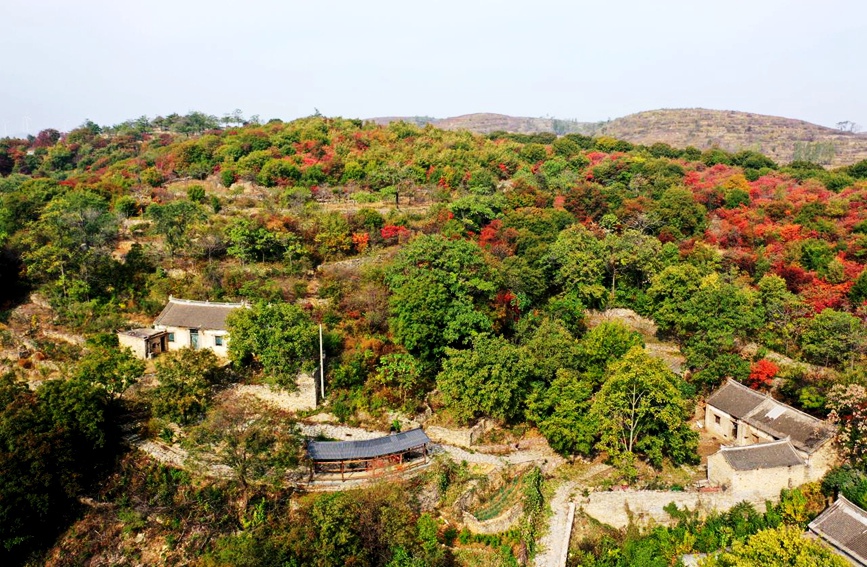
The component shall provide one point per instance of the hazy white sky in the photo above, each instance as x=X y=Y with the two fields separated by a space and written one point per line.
x=65 y=61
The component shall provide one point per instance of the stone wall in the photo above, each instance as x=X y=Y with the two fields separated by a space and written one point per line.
x=302 y=399
x=645 y=507
x=496 y=525
x=460 y=437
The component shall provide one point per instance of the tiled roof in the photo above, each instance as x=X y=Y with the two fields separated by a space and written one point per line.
x=777 y=419
x=143 y=333
x=844 y=526
x=762 y=456
x=195 y=314
x=368 y=448
x=735 y=399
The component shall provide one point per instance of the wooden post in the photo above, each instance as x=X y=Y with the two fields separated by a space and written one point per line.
x=342 y=478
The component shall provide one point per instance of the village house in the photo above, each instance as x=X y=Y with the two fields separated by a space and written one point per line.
x=770 y=445
x=196 y=324
x=843 y=526
x=144 y=343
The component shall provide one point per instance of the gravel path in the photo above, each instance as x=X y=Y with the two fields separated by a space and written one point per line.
x=554 y=543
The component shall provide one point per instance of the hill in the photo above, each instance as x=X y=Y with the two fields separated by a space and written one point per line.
x=782 y=139
x=486 y=122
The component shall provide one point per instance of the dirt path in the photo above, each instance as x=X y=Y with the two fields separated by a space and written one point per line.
x=555 y=542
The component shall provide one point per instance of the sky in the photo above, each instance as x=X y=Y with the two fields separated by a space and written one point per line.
x=109 y=61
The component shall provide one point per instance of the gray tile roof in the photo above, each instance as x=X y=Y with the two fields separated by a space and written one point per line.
x=735 y=399
x=368 y=448
x=777 y=419
x=195 y=314
x=844 y=526
x=762 y=456
x=143 y=333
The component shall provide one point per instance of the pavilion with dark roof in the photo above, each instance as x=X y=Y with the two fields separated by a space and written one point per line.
x=367 y=455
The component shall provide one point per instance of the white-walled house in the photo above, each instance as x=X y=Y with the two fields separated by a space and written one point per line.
x=196 y=324
x=144 y=343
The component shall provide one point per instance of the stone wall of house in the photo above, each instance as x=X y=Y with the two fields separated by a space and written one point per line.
x=765 y=483
x=135 y=344
x=207 y=339
x=822 y=460
x=724 y=430
x=646 y=507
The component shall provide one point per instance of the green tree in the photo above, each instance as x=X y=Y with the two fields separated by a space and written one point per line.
x=440 y=295
x=785 y=545
x=186 y=378
x=71 y=241
x=173 y=221
x=576 y=260
x=249 y=242
x=490 y=379
x=678 y=209
x=605 y=343
x=279 y=336
x=561 y=412
x=833 y=337
x=402 y=372
x=641 y=409
x=553 y=347
x=110 y=368
x=257 y=444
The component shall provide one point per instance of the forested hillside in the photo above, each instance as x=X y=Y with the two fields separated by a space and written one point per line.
x=452 y=272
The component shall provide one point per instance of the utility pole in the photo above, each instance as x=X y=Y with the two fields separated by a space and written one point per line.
x=321 y=365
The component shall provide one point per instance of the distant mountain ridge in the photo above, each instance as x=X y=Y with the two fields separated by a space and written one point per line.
x=486 y=122
x=782 y=139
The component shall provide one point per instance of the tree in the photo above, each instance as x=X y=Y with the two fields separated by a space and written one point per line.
x=258 y=444
x=576 y=262
x=490 y=379
x=561 y=412
x=677 y=209
x=71 y=241
x=833 y=337
x=279 y=336
x=109 y=367
x=52 y=444
x=173 y=220
x=401 y=371
x=784 y=545
x=553 y=347
x=186 y=378
x=249 y=242
x=641 y=408
x=669 y=292
x=848 y=405
x=440 y=293
x=603 y=344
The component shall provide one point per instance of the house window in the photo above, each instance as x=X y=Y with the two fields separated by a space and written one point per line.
x=735 y=430
x=716 y=419
x=171 y=337
x=218 y=340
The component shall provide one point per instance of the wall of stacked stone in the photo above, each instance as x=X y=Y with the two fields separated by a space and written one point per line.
x=646 y=507
x=501 y=523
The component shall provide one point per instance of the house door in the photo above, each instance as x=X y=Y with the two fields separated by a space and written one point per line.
x=194 y=339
